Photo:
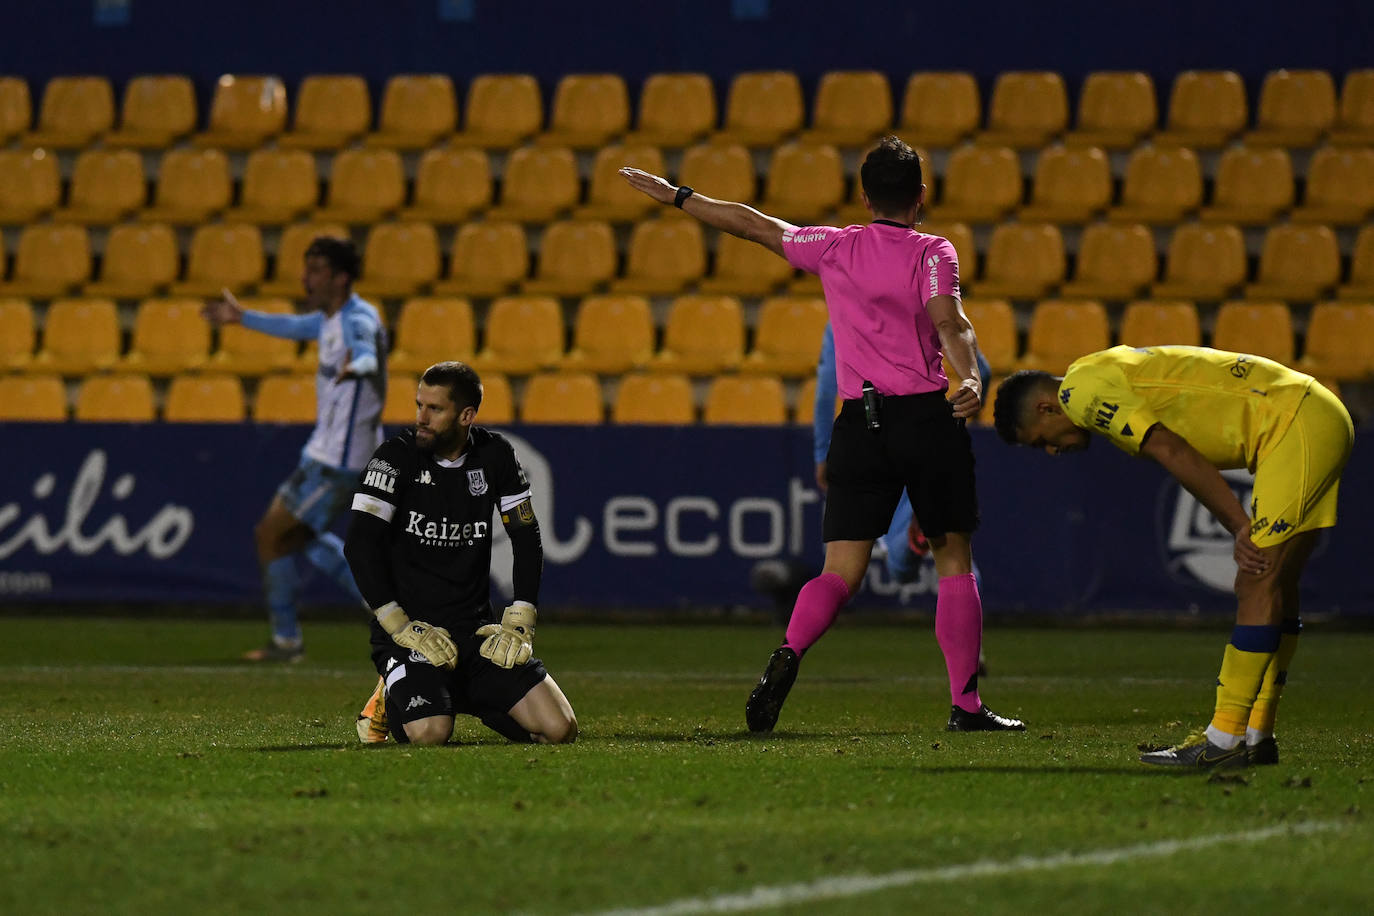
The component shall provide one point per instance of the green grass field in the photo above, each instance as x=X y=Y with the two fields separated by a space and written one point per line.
x=144 y=771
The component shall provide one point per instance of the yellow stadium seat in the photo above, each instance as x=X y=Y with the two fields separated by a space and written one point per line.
x=192 y=186
x=1204 y=263
x=611 y=334
x=1340 y=341
x=1115 y=110
x=140 y=260
x=30 y=185
x=450 y=186
x=1061 y=332
x=32 y=398
x=1028 y=109
x=675 y=109
x=1259 y=328
x=1360 y=285
x=170 y=336
x=157 y=112
x=16 y=107
x=1253 y=186
x=223 y=256
x=852 y=109
x=540 y=184
x=498 y=401
x=576 y=257
x=503 y=111
x=662 y=398
x=399 y=259
x=704 y=335
x=289 y=263
x=122 y=398
x=982 y=185
x=331 y=112
x=245 y=112
x=1340 y=187
x=279 y=185
x=1116 y=261
x=1355 y=120
x=994 y=324
x=204 y=399
x=399 y=407
x=804 y=183
x=744 y=268
x=665 y=256
x=1295 y=108
x=610 y=196
x=1025 y=261
x=762 y=108
x=804 y=405
x=285 y=399
x=79 y=336
x=488 y=259
x=1072 y=185
x=249 y=353
x=430 y=330
x=1207 y=109
x=107 y=185
x=418 y=110
x=745 y=400
x=589 y=110
x=564 y=398
x=365 y=185
x=1298 y=263
x=523 y=334
x=722 y=171
x=940 y=109
x=52 y=260
x=1162 y=185
x=74 y=112
x=17 y=334
x=1157 y=323
x=787 y=338
x=961 y=237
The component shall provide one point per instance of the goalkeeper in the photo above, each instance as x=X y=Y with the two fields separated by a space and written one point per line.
x=419 y=546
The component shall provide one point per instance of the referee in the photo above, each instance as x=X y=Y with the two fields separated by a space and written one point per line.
x=893 y=296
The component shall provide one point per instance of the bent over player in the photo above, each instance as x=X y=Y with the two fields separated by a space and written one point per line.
x=419 y=546
x=1195 y=410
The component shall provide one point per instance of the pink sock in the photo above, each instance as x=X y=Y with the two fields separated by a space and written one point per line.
x=959 y=630
x=817 y=604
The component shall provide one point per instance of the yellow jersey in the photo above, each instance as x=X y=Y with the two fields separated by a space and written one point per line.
x=1232 y=407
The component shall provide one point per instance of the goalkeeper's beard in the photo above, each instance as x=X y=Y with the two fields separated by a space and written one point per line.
x=440 y=442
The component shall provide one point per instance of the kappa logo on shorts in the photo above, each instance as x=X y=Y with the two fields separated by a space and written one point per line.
x=477 y=482
x=391 y=663
x=416 y=702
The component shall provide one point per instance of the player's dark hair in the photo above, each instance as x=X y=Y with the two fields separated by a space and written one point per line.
x=1008 y=411
x=891 y=176
x=463 y=384
x=341 y=254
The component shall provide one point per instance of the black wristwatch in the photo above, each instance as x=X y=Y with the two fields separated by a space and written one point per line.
x=683 y=192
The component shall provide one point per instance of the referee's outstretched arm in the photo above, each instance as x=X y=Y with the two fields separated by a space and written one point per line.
x=727 y=216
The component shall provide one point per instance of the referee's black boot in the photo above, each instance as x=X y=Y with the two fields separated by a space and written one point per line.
x=984 y=720
x=765 y=703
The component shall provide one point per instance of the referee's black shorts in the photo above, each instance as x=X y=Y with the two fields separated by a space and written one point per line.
x=920 y=446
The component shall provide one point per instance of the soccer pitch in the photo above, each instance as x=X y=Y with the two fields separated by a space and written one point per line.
x=142 y=771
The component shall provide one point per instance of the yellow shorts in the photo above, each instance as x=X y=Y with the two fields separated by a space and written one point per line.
x=1296 y=483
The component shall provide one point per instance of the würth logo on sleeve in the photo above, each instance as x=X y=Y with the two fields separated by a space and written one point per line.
x=477 y=482
x=933 y=262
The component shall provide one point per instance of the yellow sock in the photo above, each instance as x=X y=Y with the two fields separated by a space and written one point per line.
x=1266 y=708
x=1242 y=670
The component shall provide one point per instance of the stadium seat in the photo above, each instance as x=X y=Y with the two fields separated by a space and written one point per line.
x=1253 y=187
x=589 y=110
x=787 y=337
x=1355 y=120
x=982 y=185
x=245 y=112
x=331 y=113
x=279 y=186
x=704 y=335
x=1207 y=109
x=74 y=112
x=1072 y=185
x=1204 y=263
x=30 y=185
x=1157 y=323
x=32 y=398
x=170 y=336
x=1116 y=110
x=289 y=262
x=675 y=109
x=1340 y=341
x=488 y=259
x=611 y=334
x=762 y=108
x=1028 y=109
x=18 y=334
x=803 y=183
x=610 y=196
x=16 y=108
x=852 y=109
x=745 y=400
x=418 y=110
x=250 y=353
x=399 y=259
x=1340 y=187
x=1295 y=108
x=365 y=185
x=430 y=330
x=1024 y=261
x=285 y=399
x=1360 y=285
x=52 y=260
x=223 y=256
x=123 y=398
x=192 y=186
x=576 y=257
x=1162 y=185
x=1060 y=332
x=503 y=111
x=961 y=237
x=498 y=402
x=1298 y=263
x=140 y=260
x=722 y=171
x=204 y=399
x=1115 y=261
x=564 y=398
x=540 y=184
x=107 y=185
x=450 y=186
x=79 y=336
x=399 y=407
x=744 y=268
x=940 y=109
x=1261 y=328
x=157 y=112
x=664 y=256
x=804 y=405
x=994 y=324
x=660 y=398
x=523 y=334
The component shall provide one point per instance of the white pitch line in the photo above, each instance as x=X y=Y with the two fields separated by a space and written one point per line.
x=840 y=886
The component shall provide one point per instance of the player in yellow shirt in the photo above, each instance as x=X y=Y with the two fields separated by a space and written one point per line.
x=1196 y=411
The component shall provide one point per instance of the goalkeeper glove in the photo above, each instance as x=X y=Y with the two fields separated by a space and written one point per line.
x=432 y=642
x=512 y=642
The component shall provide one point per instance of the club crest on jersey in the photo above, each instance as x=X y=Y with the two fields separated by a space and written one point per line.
x=477 y=482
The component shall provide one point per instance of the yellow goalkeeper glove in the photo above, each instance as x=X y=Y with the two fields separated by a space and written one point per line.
x=512 y=642
x=434 y=643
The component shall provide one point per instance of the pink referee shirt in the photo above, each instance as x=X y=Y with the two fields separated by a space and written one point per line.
x=877 y=281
